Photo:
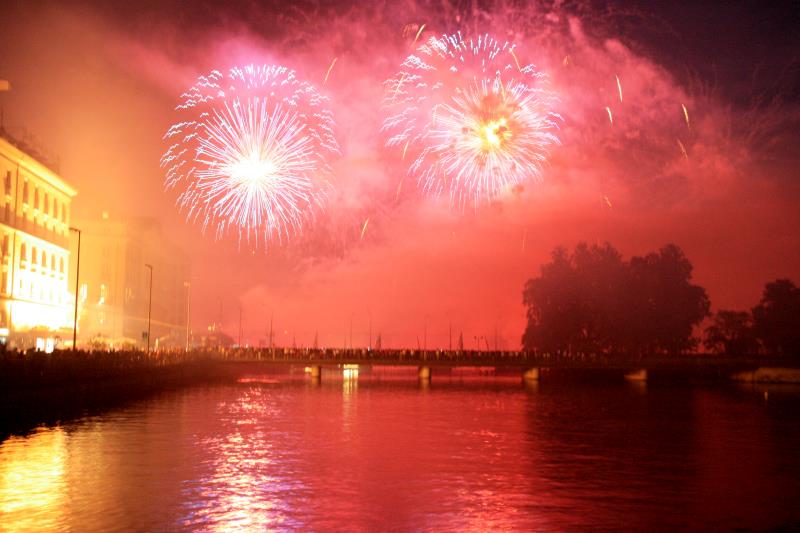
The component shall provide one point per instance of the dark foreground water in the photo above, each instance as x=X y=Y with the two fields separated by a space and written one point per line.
x=380 y=453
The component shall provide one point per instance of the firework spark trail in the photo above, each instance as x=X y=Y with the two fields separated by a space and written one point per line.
x=610 y=116
x=328 y=73
x=619 y=89
x=472 y=123
x=364 y=228
x=253 y=154
x=516 y=61
x=686 y=116
x=416 y=37
x=683 y=149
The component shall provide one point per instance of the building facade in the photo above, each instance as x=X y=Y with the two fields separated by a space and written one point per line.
x=36 y=307
x=114 y=295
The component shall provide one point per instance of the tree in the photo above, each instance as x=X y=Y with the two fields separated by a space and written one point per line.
x=731 y=333
x=664 y=305
x=593 y=301
x=776 y=318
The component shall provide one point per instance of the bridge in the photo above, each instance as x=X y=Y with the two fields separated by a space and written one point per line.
x=638 y=368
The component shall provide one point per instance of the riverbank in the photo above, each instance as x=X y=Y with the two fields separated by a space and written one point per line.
x=47 y=389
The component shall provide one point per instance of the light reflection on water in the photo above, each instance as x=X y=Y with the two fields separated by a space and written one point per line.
x=366 y=449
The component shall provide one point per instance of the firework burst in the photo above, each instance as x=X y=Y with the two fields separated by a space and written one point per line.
x=471 y=121
x=252 y=154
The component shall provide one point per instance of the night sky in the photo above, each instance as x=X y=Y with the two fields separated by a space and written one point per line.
x=97 y=82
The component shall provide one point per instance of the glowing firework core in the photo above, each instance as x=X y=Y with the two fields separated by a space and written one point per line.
x=476 y=122
x=495 y=132
x=252 y=171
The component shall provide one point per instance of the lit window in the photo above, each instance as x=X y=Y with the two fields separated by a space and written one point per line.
x=23 y=252
x=36 y=198
x=25 y=192
x=8 y=182
x=46 y=204
x=61 y=265
x=34 y=257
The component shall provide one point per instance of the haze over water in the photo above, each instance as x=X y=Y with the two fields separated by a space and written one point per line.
x=383 y=452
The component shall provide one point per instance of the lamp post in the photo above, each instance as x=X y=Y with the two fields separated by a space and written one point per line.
x=188 y=286
x=149 y=306
x=77 y=286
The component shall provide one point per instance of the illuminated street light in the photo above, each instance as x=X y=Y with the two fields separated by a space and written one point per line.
x=188 y=286
x=77 y=286
x=149 y=306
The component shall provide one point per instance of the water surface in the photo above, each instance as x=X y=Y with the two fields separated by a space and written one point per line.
x=379 y=451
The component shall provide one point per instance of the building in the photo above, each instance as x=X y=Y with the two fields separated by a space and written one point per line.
x=36 y=307
x=114 y=294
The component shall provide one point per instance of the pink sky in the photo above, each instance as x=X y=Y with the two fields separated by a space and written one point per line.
x=100 y=92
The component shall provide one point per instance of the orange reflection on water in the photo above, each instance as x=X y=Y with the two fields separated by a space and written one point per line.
x=32 y=481
x=241 y=494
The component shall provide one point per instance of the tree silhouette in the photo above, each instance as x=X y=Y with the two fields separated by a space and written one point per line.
x=593 y=301
x=776 y=318
x=731 y=333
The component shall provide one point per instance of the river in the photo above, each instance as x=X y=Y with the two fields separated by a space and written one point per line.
x=381 y=452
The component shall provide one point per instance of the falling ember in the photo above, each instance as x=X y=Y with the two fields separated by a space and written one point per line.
x=683 y=149
x=251 y=153
x=610 y=116
x=516 y=61
x=419 y=33
x=567 y=60
x=399 y=188
x=686 y=116
x=524 y=238
x=472 y=123
x=397 y=87
x=619 y=88
x=330 y=68
x=364 y=228
x=608 y=202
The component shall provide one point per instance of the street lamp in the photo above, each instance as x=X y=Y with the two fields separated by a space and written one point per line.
x=77 y=286
x=188 y=285
x=149 y=306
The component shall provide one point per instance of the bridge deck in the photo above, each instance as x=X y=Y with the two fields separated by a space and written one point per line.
x=521 y=360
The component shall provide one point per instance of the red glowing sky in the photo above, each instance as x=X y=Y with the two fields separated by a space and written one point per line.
x=98 y=85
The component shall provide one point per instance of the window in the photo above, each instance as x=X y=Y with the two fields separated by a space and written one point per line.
x=8 y=182
x=5 y=245
x=36 y=197
x=25 y=192
x=61 y=265
x=23 y=252
x=46 y=206
x=34 y=257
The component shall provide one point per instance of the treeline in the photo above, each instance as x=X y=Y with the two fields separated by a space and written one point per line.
x=771 y=327
x=594 y=301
